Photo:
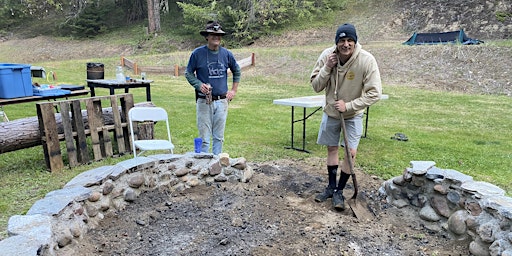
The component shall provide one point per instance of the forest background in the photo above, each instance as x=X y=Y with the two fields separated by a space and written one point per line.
x=244 y=20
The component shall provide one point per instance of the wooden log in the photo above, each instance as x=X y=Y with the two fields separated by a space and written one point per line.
x=146 y=131
x=24 y=133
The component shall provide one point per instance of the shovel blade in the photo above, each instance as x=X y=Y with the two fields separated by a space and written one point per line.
x=360 y=209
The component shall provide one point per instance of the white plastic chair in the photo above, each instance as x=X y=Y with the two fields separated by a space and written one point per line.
x=144 y=114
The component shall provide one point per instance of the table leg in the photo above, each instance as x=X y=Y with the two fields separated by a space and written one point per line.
x=293 y=121
x=112 y=92
x=126 y=89
x=93 y=93
x=366 y=121
x=292 y=125
x=303 y=120
x=304 y=131
x=148 y=93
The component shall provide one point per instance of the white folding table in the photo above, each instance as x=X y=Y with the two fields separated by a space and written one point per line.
x=316 y=101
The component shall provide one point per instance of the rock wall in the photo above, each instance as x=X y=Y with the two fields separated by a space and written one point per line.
x=65 y=215
x=448 y=199
x=445 y=199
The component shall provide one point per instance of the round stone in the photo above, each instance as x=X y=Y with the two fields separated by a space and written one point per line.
x=457 y=222
x=94 y=197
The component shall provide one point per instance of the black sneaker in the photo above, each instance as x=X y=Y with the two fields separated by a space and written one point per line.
x=328 y=192
x=338 y=201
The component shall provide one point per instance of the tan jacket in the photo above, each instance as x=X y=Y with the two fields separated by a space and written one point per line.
x=357 y=82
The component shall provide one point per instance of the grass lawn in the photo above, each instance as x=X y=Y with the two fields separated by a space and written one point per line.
x=467 y=133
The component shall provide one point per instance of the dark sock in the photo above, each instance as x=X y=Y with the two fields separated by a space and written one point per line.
x=343 y=180
x=332 y=169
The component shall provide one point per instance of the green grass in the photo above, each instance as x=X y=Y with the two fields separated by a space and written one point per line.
x=467 y=133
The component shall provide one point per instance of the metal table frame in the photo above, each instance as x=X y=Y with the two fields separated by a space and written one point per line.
x=317 y=102
x=113 y=84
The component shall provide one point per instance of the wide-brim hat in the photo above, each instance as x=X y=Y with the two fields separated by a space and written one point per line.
x=212 y=27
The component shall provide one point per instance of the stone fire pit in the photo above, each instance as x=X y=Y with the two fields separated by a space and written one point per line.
x=263 y=209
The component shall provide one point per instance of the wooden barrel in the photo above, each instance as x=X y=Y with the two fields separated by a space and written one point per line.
x=95 y=70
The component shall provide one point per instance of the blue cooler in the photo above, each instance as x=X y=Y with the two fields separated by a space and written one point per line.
x=15 y=81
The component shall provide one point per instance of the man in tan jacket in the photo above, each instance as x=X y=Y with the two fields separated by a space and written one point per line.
x=351 y=80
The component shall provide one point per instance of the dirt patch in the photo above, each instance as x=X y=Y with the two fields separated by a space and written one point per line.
x=45 y=48
x=274 y=214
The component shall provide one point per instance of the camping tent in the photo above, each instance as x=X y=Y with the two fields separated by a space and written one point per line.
x=453 y=37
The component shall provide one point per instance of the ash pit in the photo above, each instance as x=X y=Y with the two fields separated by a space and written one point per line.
x=274 y=213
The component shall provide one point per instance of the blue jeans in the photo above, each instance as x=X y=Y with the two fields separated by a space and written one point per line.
x=211 y=121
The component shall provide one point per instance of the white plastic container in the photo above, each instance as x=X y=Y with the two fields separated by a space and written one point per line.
x=119 y=74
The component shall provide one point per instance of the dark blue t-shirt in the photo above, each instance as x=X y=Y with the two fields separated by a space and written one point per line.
x=212 y=67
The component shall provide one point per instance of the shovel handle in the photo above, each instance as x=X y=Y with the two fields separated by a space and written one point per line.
x=348 y=156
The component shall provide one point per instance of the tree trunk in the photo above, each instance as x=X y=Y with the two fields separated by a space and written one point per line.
x=156 y=12
x=153 y=16
x=24 y=133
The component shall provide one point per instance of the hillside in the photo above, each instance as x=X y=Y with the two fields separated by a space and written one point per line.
x=396 y=20
x=386 y=20
x=382 y=27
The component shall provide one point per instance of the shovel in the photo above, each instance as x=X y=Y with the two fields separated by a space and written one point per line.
x=358 y=207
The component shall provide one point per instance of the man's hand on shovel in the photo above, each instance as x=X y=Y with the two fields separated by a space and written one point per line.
x=340 y=106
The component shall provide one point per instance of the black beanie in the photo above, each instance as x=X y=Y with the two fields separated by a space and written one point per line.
x=346 y=30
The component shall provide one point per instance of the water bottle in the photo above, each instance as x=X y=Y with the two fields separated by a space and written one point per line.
x=119 y=74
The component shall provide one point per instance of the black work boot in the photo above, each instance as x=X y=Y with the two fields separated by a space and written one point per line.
x=338 y=201
x=328 y=192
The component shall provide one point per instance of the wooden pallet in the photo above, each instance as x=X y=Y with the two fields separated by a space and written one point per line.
x=106 y=140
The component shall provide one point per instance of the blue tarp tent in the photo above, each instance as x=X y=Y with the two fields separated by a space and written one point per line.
x=453 y=37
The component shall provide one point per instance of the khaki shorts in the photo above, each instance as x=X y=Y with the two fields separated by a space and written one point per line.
x=329 y=133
